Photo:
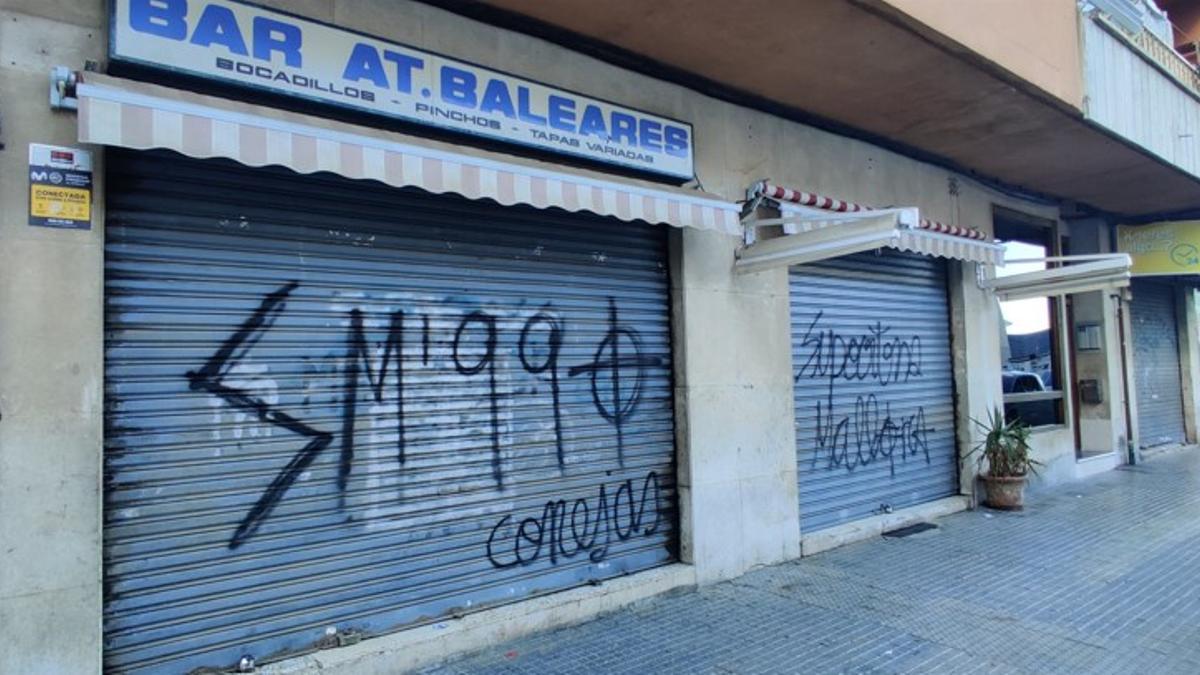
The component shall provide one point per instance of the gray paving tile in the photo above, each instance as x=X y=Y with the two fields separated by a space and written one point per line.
x=1099 y=577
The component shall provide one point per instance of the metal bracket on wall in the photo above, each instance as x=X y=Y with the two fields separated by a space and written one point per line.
x=749 y=207
x=982 y=274
x=62 y=88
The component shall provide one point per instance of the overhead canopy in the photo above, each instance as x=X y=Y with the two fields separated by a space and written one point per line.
x=1084 y=273
x=817 y=228
x=142 y=116
x=928 y=80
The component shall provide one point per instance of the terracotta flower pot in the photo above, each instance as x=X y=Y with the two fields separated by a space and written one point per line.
x=1005 y=493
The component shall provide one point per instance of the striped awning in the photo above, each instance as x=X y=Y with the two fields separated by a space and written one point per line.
x=142 y=116
x=817 y=228
x=908 y=235
x=799 y=198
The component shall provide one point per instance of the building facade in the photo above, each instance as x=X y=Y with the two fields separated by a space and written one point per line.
x=366 y=333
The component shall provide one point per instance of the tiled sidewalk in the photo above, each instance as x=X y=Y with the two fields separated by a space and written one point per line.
x=1099 y=577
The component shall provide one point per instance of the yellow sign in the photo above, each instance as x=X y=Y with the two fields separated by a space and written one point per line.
x=1162 y=248
x=60 y=187
x=47 y=201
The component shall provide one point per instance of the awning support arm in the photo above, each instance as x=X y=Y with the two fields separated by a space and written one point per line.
x=829 y=235
x=1092 y=272
x=1066 y=258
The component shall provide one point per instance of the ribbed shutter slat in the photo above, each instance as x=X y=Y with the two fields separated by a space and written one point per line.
x=1156 y=364
x=873 y=386
x=325 y=396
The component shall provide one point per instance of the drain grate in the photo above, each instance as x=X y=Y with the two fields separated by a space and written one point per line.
x=910 y=530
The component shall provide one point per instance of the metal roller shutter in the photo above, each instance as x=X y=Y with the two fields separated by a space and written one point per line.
x=1156 y=364
x=873 y=386
x=335 y=409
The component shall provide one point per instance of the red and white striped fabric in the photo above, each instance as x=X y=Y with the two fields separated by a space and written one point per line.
x=142 y=116
x=816 y=201
x=916 y=235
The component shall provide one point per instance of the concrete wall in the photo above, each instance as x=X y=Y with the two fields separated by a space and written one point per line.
x=736 y=440
x=1036 y=40
x=51 y=337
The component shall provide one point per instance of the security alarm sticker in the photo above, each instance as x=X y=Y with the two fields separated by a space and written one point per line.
x=60 y=187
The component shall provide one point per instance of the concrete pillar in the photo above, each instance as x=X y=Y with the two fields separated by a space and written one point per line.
x=51 y=369
x=1133 y=435
x=1188 y=324
x=735 y=425
x=975 y=335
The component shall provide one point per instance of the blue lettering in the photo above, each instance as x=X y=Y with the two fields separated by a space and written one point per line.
x=164 y=18
x=651 y=135
x=276 y=36
x=458 y=87
x=497 y=99
x=624 y=129
x=523 y=110
x=364 y=63
x=592 y=123
x=218 y=26
x=561 y=112
x=404 y=66
x=677 y=141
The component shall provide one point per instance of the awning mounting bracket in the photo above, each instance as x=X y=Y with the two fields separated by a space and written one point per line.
x=62 y=88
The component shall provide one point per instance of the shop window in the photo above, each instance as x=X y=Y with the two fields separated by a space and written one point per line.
x=1032 y=374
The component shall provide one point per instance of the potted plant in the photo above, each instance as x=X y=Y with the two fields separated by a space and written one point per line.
x=1005 y=450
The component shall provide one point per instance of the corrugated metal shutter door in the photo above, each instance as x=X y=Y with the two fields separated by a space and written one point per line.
x=1156 y=364
x=337 y=406
x=874 y=389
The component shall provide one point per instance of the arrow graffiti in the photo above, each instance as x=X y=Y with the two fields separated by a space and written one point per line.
x=211 y=377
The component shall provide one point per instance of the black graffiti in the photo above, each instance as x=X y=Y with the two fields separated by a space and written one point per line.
x=554 y=339
x=487 y=360
x=424 y=339
x=356 y=352
x=618 y=356
x=619 y=407
x=562 y=532
x=210 y=378
x=869 y=434
x=874 y=355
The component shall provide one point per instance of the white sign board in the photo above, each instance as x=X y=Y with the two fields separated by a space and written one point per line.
x=249 y=45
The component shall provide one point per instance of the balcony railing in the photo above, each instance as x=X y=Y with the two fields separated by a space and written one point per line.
x=1153 y=49
x=1164 y=56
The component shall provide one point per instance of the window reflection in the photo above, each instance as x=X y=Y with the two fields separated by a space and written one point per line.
x=1032 y=386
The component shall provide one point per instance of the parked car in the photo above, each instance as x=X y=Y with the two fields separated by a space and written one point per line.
x=1021 y=400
